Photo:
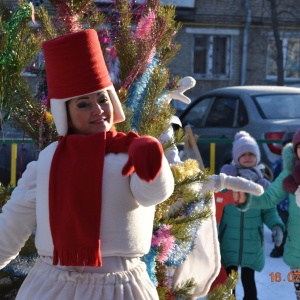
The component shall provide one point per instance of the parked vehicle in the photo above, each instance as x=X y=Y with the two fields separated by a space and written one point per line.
x=266 y=112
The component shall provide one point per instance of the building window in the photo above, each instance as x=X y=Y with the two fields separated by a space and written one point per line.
x=212 y=56
x=291 y=58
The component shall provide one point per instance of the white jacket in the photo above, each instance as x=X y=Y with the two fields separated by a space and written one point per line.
x=128 y=205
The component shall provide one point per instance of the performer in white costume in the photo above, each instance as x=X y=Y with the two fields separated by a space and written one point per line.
x=90 y=196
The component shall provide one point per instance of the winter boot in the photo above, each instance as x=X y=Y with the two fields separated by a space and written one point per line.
x=277 y=252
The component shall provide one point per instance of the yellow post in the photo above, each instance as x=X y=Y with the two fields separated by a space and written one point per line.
x=212 y=161
x=13 y=165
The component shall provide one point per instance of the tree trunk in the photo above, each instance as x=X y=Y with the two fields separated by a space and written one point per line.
x=278 y=43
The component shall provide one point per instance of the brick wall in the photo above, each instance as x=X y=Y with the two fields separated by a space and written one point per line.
x=229 y=14
x=222 y=15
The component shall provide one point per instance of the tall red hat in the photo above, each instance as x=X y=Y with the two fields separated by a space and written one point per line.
x=75 y=67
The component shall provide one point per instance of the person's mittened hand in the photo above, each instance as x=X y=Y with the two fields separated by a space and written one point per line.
x=296 y=172
x=239 y=197
x=145 y=156
x=289 y=184
x=277 y=234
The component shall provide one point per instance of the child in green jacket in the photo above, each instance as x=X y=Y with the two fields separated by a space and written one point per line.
x=241 y=234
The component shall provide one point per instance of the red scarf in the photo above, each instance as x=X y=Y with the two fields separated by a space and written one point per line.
x=75 y=195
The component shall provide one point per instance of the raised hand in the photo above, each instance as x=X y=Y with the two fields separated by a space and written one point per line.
x=239 y=197
x=144 y=157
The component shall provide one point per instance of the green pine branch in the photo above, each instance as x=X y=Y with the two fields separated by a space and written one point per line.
x=224 y=291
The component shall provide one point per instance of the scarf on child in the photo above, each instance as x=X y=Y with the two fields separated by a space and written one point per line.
x=75 y=192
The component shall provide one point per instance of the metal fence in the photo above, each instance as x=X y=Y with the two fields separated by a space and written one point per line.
x=212 y=142
x=14 y=152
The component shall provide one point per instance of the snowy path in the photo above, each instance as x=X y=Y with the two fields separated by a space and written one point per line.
x=266 y=289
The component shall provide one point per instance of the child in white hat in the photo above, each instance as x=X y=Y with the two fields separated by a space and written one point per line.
x=91 y=196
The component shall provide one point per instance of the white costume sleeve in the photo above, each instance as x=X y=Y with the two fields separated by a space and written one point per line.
x=223 y=181
x=18 y=217
x=155 y=192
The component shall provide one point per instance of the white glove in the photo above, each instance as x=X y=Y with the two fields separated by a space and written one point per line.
x=297 y=194
x=185 y=84
x=234 y=183
x=277 y=235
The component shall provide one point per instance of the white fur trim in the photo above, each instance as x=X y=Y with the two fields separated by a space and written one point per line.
x=297 y=194
x=59 y=113
x=119 y=115
x=176 y=120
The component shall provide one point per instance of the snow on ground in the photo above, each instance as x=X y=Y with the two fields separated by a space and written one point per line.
x=267 y=289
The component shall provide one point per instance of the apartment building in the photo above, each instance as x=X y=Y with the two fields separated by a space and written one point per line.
x=232 y=42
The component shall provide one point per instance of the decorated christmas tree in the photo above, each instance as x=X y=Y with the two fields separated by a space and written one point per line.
x=138 y=42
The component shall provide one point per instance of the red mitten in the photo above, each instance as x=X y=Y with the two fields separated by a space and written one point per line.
x=144 y=157
x=289 y=184
x=296 y=172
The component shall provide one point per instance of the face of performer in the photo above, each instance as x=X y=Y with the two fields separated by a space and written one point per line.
x=90 y=114
x=247 y=160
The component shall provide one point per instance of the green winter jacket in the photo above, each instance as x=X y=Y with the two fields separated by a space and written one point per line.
x=271 y=197
x=241 y=236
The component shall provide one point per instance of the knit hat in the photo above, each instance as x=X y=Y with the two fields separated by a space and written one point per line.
x=244 y=142
x=296 y=140
x=75 y=67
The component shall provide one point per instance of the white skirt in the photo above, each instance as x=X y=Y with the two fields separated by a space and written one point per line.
x=120 y=278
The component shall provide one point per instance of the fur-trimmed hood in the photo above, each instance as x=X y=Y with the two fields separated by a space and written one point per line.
x=289 y=157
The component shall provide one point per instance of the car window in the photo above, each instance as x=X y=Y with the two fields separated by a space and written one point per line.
x=242 y=116
x=279 y=106
x=222 y=112
x=196 y=114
